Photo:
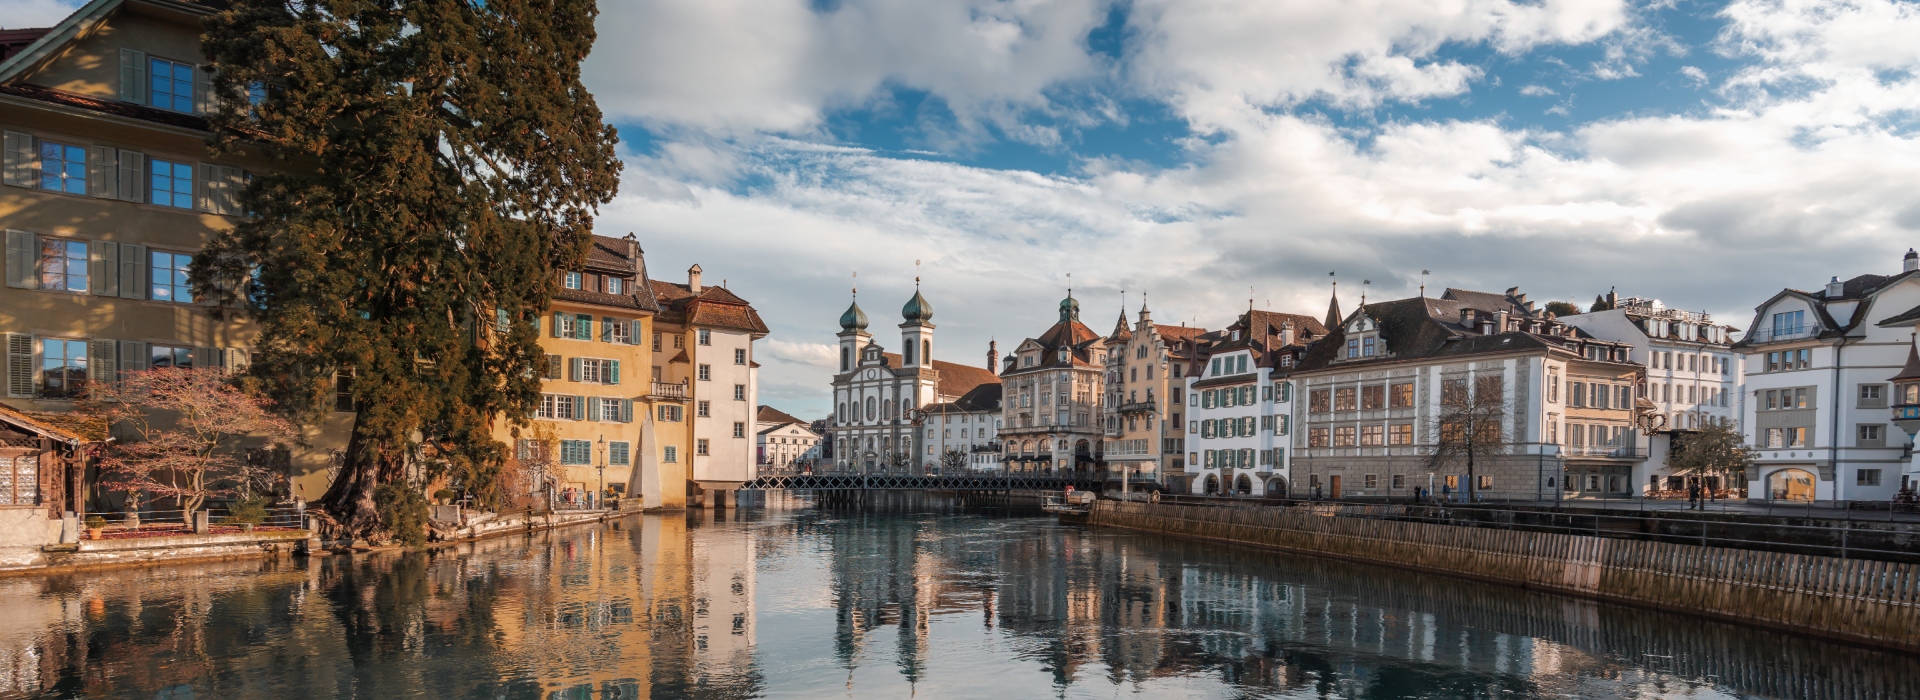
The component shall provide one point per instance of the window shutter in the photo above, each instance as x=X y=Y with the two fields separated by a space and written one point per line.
x=103 y=265
x=133 y=76
x=20 y=365
x=626 y=410
x=238 y=361
x=579 y=412
x=103 y=173
x=236 y=183
x=559 y=324
x=133 y=271
x=573 y=369
x=593 y=409
x=583 y=327
x=132 y=183
x=20 y=259
x=21 y=162
x=133 y=357
x=101 y=360
x=203 y=186
x=613 y=372
x=206 y=357
x=606 y=329
x=203 y=90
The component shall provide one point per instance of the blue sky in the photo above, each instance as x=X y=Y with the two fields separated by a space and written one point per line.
x=1208 y=152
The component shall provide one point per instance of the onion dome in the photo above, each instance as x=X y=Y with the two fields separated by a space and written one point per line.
x=854 y=319
x=1069 y=309
x=917 y=309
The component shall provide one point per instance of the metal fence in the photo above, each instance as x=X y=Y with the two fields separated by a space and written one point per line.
x=1835 y=532
x=161 y=520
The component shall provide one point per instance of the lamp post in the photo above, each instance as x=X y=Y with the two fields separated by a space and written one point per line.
x=601 y=491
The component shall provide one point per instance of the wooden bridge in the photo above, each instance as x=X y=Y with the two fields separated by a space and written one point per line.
x=901 y=482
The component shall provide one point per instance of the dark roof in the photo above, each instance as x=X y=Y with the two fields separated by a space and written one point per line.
x=955 y=379
x=620 y=257
x=65 y=426
x=714 y=307
x=1227 y=380
x=13 y=40
x=1860 y=289
x=1425 y=328
x=1513 y=302
x=1902 y=318
x=1120 y=331
x=113 y=107
x=982 y=398
x=769 y=415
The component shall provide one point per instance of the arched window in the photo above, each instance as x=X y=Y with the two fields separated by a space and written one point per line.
x=872 y=409
x=926 y=350
x=846 y=359
x=843 y=412
x=908 y=354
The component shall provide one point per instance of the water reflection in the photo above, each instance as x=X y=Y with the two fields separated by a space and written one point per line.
x=870 y=602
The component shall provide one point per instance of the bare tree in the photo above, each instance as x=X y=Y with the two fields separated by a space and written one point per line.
x=1716 y=449
x=1471 y=425
x=189 y=428
x=952 y=461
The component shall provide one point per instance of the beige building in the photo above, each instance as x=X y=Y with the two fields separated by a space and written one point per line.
x=1052 y=395
x=107 y=193
x=1145 y=382
x=786 y=443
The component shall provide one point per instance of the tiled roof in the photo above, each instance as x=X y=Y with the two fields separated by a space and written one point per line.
x=1186 y=333
x=113 y=107
x=769 y=415
x=619 y=257
x=955 y=379
x=1067 y=332
x=68 y=427
x=1422 y=328
x=714 y=307
x=983 y=398
x=1513 y=302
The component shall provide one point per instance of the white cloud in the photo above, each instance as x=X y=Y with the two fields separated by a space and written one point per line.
x=1537 y=91
x=1694 y=75
x=21 y=14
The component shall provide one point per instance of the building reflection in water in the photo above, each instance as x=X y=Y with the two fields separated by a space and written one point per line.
x=877 y=601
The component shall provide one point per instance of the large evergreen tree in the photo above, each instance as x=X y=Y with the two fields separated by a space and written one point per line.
x=441 y=162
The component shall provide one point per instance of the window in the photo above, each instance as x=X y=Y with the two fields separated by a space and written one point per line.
x=63 y=168
x=701 y=409
x=1366 y=350
x=1400 y=434
x=616 y=285
x=1343 y=399
x=1402 y=395
x=706 y=337
x=739 y=356
x=656 y=342
x=1870 y=435
x=159 y=356
x=531 y=451
x=1316 y=437
x=1788 y=323
x=739 y=429
x=1373 y=398
x=618 y=453
x=576 y=452
x=1399 y=481
x=1319 y=400
x=1343 y=436
x=671 y=414
x=1486 y=482
x=171 y=184
x=1353 y=348
x=63 y=367
x=1372 y=435
x=706 y=373
x=594 y=371
x=1866 y=477
x=670 y=454
x=343 y=391
x=679 y=341
x=169 y=275
x=63 y=265
x=700 y=447
x=739 y=392
x=172 y=85
x=20 y=480
x=1577 y=394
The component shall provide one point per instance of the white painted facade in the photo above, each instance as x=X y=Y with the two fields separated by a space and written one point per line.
x=724 y=392
x=1238 y=425
x=782 y=447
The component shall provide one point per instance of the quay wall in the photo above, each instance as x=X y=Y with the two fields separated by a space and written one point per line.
x=1868 y=602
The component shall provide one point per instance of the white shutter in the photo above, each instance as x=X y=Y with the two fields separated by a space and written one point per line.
x=203 y=186
x=20 y=259
x=133 y=271
x=238 y=361
x=101 y=361
x=103 y=173
x=593 y=408
x=19 y=365
x=234 y=181
x=20 y=163
x=132 y=183
x=133 y=76
x=206 y=357
x=203 y=90
x=103 y=265
x=133 y=357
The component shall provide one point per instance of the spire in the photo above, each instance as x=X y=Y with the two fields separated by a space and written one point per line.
x=1333 y=308
x=854 y=319
x=1911 y=372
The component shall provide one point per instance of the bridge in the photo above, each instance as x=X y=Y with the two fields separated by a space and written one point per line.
x=873 y=482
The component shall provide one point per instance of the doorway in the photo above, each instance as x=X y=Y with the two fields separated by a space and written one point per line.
x=1333 y=485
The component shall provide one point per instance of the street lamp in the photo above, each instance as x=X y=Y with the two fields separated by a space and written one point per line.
x=601 y=492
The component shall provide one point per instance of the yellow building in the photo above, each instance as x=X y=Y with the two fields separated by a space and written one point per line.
x=603 y=424
x=107 y=193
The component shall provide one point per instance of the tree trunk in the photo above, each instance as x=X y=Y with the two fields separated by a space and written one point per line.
x=349 y=504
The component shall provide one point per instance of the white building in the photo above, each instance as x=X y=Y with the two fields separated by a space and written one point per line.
x=878 y=395
x=1817 y=371
x=964 y=434
x=785 y=442
x=1240 y=403
x=716 y=329
x=1693 y=373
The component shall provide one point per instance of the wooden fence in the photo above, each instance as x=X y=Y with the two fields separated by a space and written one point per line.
x=1872 y=602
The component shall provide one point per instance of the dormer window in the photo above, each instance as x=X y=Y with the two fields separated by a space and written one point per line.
x=616 y=285
x=1366 y=346
x=1063 y=354
x=574 y=280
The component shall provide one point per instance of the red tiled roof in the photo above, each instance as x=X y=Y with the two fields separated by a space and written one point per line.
x=1066 y=332
x=63 y=426
x=716 y=307
x=114 y=107
x=769 y=415
x=955 y=379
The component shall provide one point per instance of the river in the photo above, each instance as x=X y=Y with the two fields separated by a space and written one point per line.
x=923 y=601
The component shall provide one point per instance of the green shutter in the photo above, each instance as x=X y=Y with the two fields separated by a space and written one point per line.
x=613 y=373
x=583 y=327
x=559 y=324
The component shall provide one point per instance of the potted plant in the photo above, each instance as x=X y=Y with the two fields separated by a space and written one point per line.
x=445 y=496
x=95 y=524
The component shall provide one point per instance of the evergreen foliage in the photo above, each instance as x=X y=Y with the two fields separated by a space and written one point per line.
x=1563 y=309
x=440 y=163
x=404 y=511
x=1600 y=303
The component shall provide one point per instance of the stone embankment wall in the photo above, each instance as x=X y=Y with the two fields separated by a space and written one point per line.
x=1872 y=602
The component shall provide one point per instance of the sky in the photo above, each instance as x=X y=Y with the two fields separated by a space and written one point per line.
x=1205 y=153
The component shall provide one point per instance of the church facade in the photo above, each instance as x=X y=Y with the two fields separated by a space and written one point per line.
x=880 y=398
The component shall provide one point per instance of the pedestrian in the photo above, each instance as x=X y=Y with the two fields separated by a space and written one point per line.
x=1693 y=495
x=1446 y=492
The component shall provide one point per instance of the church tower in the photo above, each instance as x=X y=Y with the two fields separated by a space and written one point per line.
x=853 y=334
x=916 y=334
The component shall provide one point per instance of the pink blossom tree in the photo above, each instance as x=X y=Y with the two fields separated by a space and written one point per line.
x=188 y=429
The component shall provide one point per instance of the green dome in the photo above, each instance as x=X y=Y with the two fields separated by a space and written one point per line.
x=917 y=308
x=854 y=319
x=1069 y=309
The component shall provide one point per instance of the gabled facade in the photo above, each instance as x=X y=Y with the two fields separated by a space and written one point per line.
x=1144 y=406
x=1374 y=390
x=1818 y=367
x=709 y=332
x=786 y=443
x=1240 y=398
x=963 y=435
x=106 y=193
x=1053 y=391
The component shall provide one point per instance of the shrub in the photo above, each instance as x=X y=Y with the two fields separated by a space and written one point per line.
x=250 y=511
x=95 y=522
x=445 y=495
x=404 y=511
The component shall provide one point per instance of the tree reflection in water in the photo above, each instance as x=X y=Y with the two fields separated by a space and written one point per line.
x=869 y=602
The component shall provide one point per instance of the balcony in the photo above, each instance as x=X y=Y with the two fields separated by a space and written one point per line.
x=1906 y=412
x=1606 y=451
x=662 y=391
x=1780 y=334
x=1147 y=406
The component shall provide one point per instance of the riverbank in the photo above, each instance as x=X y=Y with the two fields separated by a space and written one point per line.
x=1868 y=602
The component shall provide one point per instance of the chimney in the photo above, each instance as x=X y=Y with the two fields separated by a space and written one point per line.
x=1500 y=321
x=1836 y=288
x=993 y=355
x=693 y=279
x=1286 y=333
x=633 y=253
x=1911 y=262
x=1466 y=317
